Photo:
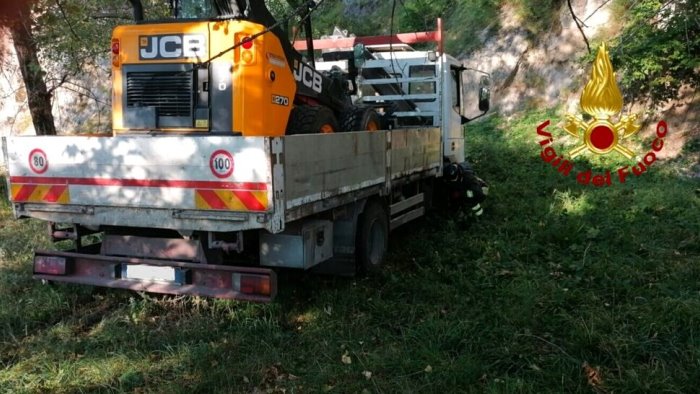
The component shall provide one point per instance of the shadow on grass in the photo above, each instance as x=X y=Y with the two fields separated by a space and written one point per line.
x=554 y=274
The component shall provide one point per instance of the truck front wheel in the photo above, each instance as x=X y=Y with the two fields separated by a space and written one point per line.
x=372 y=237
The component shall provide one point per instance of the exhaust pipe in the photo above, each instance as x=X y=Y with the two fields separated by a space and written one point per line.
x=138 y=10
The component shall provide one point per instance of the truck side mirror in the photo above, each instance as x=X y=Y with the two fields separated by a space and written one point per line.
x=484 y=94
x=473 y=105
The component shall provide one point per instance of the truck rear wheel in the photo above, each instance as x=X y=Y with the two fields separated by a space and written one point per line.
x=306 y=119
x=372 y=239
x=360 y=118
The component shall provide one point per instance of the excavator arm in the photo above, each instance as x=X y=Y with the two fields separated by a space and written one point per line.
x=329 y=92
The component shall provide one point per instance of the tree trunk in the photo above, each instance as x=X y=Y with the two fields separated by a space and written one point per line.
x=38 y=96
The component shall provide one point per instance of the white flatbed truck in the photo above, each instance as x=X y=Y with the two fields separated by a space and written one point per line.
x=214 y=215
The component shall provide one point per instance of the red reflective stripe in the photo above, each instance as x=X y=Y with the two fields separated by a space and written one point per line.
x=24 y=192
x=54 y=193
x=139 y=183
x=249 y=200
x=38 y=180
x=212 y=199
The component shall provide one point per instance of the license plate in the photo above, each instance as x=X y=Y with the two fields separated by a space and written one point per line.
x=151 y=273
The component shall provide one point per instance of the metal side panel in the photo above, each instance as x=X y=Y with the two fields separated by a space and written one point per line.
x=322 y=166
x=414 y=151
x=173 y=219
x=183 y=182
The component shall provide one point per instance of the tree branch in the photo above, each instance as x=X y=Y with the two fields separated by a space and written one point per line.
x=110 y=16
x=65 y=18
x=596 y=10
x=60 y=82
x=85 y=93
x=12 y=93
x=576 y=21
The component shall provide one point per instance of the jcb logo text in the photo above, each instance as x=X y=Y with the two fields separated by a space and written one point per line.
x=172 y=46
x=306 y=75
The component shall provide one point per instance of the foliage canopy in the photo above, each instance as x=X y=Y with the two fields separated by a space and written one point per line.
x=658 y=49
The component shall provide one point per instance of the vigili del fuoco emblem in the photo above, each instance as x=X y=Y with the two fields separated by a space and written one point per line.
x=601 y=133
x=601 y=99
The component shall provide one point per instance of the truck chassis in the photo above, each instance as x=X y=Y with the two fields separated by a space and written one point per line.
x=308 y=193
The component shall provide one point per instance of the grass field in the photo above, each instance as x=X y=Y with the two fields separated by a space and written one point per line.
x=557 y=288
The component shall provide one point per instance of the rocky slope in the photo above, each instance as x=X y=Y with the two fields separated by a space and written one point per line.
x=547 y=71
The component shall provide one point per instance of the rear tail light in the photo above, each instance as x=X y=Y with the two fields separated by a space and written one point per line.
x=252 y=284
x=247 y=57
x=247 y=53
x=50 y=265
x=116 y=48
x=246 y=43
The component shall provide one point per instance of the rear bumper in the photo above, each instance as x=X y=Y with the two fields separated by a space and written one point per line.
x=208 y=280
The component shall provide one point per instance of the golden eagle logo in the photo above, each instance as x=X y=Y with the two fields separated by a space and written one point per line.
x=601 y=99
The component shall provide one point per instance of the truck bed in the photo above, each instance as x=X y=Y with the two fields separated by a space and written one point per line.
x=211 y=183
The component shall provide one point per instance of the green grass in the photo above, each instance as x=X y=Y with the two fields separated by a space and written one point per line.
x=553 y=275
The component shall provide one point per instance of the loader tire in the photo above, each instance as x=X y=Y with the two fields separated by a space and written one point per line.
x=372 y=239
x=306 y=119
x=360 y=118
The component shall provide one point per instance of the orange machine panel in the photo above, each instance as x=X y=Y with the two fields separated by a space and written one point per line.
x=263 y=86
